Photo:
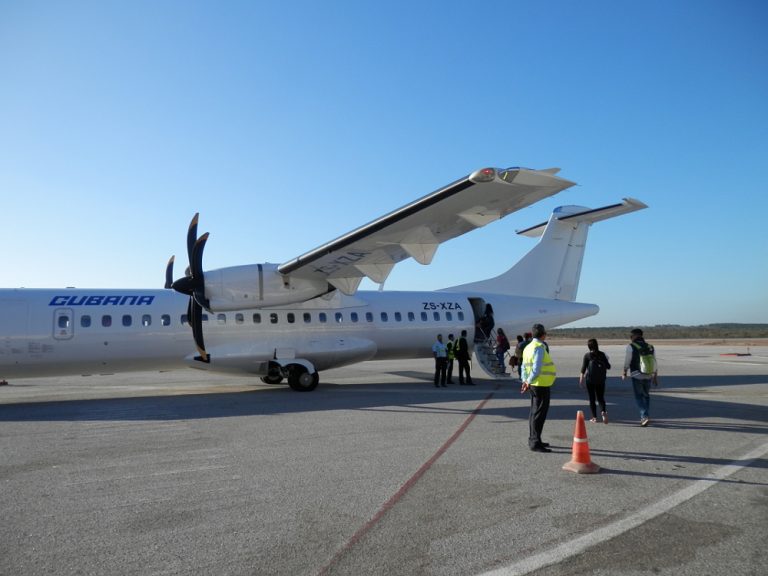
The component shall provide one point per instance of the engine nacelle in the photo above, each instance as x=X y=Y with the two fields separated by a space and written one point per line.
x=257 y=286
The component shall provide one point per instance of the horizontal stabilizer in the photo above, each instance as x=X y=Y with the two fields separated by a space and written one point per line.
x=579 y=214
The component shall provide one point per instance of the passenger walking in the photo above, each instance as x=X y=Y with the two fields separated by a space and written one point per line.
x=441 y=361
x=640 y=363
x=538 y=377
x=461 y=352
x=502 y=345
x=594 y=371
x=519 y=349
x=450 y=346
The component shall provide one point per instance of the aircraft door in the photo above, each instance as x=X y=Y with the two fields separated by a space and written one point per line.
x=478 y=309
x=63 y=323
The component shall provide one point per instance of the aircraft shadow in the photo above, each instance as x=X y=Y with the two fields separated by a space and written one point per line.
x=667 y=410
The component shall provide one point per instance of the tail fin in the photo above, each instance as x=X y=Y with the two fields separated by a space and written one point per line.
x=553 y=267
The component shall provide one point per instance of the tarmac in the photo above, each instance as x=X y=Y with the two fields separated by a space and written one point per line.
x=378 y=472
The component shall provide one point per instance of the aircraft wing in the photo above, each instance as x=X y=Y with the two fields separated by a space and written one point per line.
x=417 y=229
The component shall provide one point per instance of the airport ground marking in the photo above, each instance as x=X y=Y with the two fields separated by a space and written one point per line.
x=582 y=543
x=403 y=490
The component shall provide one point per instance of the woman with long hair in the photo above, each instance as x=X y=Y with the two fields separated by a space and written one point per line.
x=594 y=371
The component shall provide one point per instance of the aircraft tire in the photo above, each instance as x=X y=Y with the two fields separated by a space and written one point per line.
x=301 y=380
x=271 y=379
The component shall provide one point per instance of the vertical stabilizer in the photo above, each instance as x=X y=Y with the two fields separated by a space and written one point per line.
x=553 y=267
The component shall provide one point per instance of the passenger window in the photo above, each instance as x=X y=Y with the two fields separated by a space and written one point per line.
x=146 y=320
x=239 y=318
x=165 y=320
x=353 y=316
x=63 y=321
x=322 y=317
x=436 y=316
x=257 y=318
x=448 y=316
x=384 y=317
x=221 y=318
x=368 y=317
x=411 y=316
x=291 y=318
x=338 y=317
x=423 y=316
x=184 y=319
x=307 y=317
x=106 y=320
x=273 y=318
x=127 y=320
x=205 y=317
x=398 y=317
x=461 y=316
x=85 y=321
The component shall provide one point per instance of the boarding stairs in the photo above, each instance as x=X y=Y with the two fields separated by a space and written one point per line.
x=485 y=356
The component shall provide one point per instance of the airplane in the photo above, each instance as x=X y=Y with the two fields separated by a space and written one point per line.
x=292 y=320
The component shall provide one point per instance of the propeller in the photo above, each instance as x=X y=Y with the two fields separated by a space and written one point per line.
x=193 y=285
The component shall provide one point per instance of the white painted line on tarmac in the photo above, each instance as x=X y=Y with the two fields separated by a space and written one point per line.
x=582 y=543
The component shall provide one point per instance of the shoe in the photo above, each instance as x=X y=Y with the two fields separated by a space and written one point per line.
x=605 y=417
x=593 y=419
x=541 y=448
x=645 y=421
x=444 y=386
x=545 y=444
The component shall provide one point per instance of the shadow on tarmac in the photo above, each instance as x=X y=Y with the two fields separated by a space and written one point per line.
x=668 y=410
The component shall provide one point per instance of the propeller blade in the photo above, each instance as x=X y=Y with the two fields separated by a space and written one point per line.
x=196 y=320
x=196 y=261
x=192 y=236
x=169 y=273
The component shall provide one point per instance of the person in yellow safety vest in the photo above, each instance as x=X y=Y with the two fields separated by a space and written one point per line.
x=538 y=375
x=451 y=344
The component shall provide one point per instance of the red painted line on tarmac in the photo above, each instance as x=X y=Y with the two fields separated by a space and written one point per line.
x=397 y=496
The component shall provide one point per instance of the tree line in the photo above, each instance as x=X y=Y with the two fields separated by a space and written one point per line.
x=666 y=331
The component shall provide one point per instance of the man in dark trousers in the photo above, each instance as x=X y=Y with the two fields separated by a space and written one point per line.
x=450 y=347
x=641 y=379
x=441 y=361
x=538 y=377
x=461 y=351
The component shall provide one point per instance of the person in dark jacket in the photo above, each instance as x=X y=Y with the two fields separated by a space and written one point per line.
x=461 y=351
x=485 y=325
x=594 y=371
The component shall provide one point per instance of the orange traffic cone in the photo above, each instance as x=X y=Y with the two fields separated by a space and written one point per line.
x=580 y=461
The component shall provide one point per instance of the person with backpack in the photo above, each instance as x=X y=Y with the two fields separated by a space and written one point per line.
x=522 y=342
x=594 y=371
x=640 y=364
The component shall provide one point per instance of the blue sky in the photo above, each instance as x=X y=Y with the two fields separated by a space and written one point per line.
x=287 y=124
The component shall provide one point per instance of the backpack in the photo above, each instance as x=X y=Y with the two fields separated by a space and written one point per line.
x=647 y=357
x=597 y=369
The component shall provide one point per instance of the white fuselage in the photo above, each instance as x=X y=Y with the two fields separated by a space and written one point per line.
x=72 y=331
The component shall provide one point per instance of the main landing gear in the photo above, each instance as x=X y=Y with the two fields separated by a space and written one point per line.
x=299 y=377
